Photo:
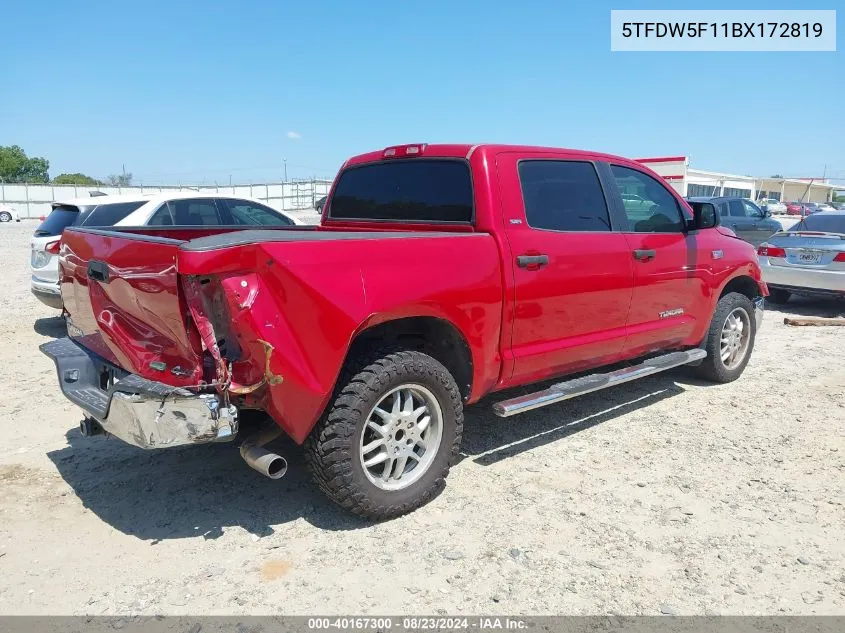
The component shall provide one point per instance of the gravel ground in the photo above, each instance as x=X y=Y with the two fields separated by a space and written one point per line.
x=661 y=496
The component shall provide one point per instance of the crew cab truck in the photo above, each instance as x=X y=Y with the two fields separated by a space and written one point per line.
x=438 y=274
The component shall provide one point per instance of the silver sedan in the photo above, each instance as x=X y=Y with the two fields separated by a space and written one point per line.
x=806 y=259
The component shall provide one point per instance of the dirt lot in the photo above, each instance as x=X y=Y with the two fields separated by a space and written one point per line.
x=665 y=495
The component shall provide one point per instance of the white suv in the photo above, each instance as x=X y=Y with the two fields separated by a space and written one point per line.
x=176 y=209
x=7 y=214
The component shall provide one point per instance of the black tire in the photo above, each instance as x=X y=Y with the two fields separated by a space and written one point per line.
x=713 y=368
x=778 y=296
x=333 y=449
x=5 y=216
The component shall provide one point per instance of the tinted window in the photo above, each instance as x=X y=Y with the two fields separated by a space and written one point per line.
x=736 y=208
x=161 y=217
x=723 y=209
x=57 y=221
x=194 y=212
x=250 y=213
x=752 y=210
x=110 y=214
x=425 y=190
x=657 y=212
x=563 y=196
x=829 y=223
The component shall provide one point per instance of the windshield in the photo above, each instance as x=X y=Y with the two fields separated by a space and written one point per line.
x=415 y=190
x=59 y=219
x=828 y=223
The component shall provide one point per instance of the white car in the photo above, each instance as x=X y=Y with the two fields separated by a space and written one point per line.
x=7 y=214
x=176 y=209
x=775 y=207
x=826 y=206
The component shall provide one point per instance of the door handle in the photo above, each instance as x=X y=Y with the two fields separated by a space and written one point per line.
x=98 y=271
x=644 y=254
x=532 y=261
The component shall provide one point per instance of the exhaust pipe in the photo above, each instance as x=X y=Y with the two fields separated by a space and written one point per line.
x=89 y=427
x=258 y=458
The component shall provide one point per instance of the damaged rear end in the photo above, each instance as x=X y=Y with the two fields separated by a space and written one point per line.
x=151 y=356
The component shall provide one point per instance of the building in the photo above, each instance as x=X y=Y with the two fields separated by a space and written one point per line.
x=697 y=182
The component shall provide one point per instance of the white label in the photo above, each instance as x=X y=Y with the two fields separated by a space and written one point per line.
x=708 y=30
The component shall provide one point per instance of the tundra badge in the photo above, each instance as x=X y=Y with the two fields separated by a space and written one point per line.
x=670 y=313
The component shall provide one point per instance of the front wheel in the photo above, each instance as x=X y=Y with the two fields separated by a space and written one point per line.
x=389 y=438
x=5 y=216
x=730 y=339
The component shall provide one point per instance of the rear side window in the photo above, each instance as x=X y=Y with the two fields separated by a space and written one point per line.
x=737 y=209
x=57 y=221
x=248 y=213
x=111 y=214
x=415 y=190
x=563 y=196
x=195 y=212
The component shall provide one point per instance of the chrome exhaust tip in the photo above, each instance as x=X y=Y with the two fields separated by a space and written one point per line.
x=268 y=464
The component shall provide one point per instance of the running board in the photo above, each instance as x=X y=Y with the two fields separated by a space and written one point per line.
x=579 y=386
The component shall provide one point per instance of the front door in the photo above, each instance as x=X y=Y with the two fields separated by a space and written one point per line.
x=671 y=286
x=572 y=273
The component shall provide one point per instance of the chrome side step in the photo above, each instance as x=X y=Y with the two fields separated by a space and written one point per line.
x=579 y=386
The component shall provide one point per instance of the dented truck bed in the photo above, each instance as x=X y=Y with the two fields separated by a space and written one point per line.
x=209 y=322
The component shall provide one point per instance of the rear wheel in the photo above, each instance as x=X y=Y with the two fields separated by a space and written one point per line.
x=393 y=431
x=5 y=216
x=730 y=339
x=778 y=296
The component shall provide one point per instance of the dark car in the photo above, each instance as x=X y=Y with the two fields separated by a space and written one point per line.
x=744 y=218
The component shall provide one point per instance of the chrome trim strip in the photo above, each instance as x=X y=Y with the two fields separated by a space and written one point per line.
x=471 y=150
x=594 y=382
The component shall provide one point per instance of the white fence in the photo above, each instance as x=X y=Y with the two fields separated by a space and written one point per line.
x=33 y=201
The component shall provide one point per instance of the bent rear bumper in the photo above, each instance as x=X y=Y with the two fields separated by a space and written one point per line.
x=138 y=411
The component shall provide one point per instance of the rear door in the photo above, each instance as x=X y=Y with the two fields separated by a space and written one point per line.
x=670 y=275
x=573 y=273
x=739 y=221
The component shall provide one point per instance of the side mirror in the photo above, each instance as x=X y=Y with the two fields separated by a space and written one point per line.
x=704 y=216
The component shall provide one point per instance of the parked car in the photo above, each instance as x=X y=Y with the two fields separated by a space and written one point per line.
x=800 y=208
x=7 y=214
x=440 y=274
x=825 y=206
x=172 y=209
x=318 y=206
x=775 y=207
x=808 y=259
x=839 y=206
x=745 y=218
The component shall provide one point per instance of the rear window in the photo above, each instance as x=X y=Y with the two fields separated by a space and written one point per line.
x=416 y=190
x=833 y=223
x=111 y=214
x=57 y=221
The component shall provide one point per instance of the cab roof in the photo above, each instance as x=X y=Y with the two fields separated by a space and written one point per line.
x=466 y=150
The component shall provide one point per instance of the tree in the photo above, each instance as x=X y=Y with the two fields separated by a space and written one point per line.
x=16 y=166
x=119 y=180
x=75 y=179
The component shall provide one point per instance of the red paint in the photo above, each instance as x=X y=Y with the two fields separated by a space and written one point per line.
x=676 y=177
x=592 y=304
x=661 y=159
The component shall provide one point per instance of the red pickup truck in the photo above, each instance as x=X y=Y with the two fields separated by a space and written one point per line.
x=438 y=274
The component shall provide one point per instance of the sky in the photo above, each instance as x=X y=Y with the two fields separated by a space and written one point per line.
x=182 y=91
